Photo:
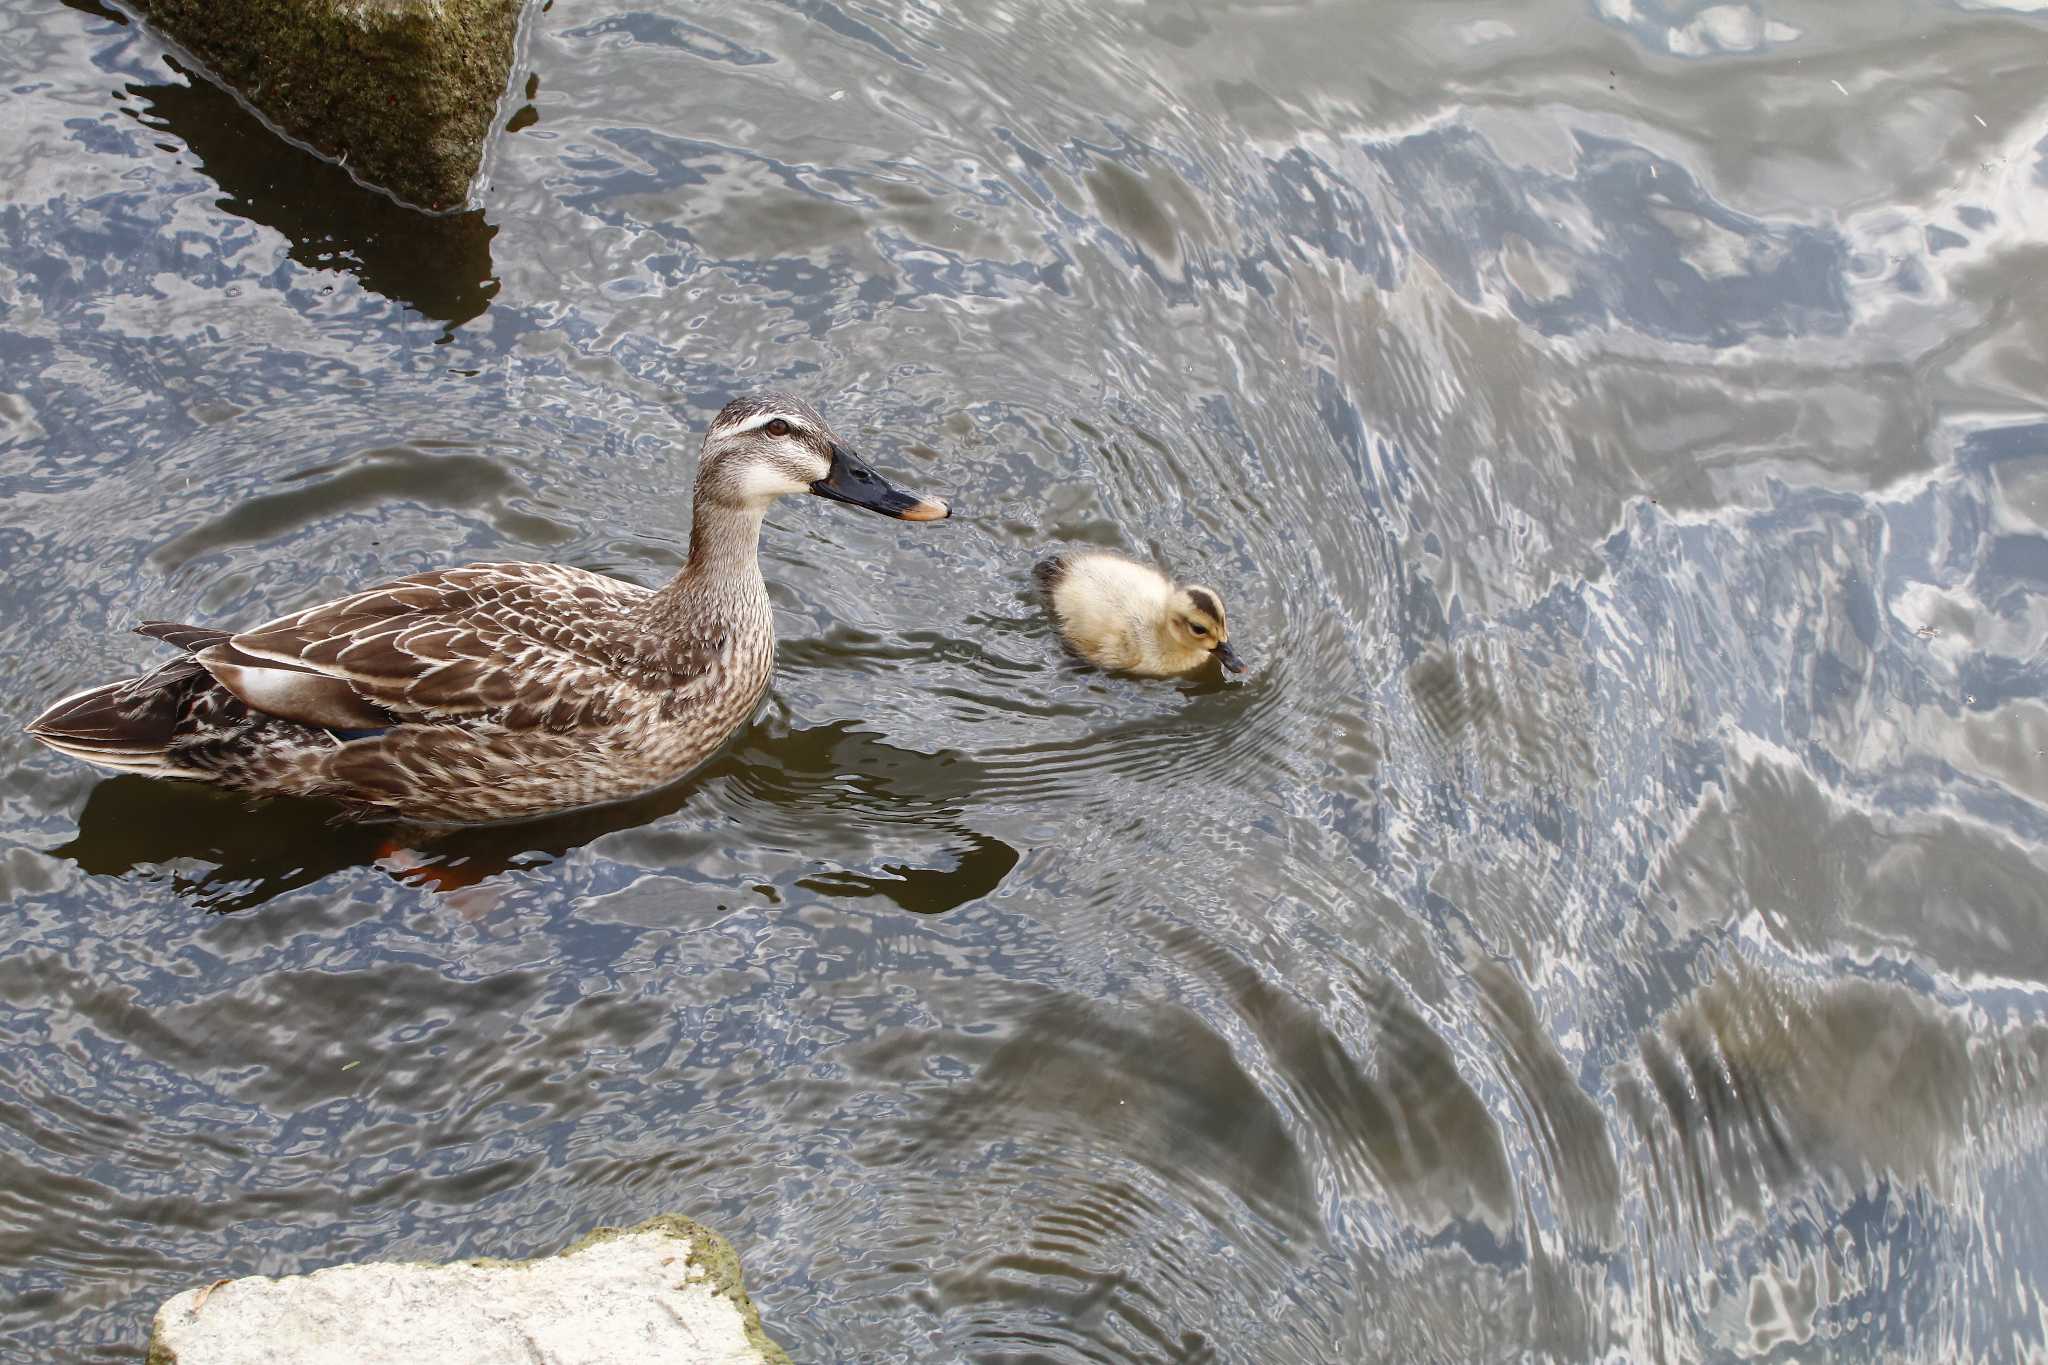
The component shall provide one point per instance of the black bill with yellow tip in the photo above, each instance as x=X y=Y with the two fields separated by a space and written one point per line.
x=851 y=481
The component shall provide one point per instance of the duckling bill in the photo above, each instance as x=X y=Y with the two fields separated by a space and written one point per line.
x=492 y=691
x=1129 y=617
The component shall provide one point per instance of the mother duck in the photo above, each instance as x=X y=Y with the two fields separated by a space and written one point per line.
x=492 y=691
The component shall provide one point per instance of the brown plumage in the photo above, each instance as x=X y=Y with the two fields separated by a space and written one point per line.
x=491 y=691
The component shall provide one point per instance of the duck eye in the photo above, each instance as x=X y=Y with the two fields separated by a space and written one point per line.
x=1198 y=628
x=778 y=427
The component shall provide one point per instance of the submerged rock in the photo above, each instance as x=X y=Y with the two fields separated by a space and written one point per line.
x=668 y=1290
x=405 y=93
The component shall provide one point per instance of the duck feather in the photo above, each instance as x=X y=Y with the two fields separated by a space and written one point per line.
x=490 y=691
x=529 y=645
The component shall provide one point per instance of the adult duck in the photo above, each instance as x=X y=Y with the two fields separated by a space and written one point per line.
x=492 y=691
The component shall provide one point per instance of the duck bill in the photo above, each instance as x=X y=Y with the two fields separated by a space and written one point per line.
x=1227 y=656
x=851 y=481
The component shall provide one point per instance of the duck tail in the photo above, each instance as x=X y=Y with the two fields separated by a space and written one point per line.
x=128 y=726
x=191 y=639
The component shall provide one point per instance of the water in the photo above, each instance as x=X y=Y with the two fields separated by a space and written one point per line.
x=1608 y=921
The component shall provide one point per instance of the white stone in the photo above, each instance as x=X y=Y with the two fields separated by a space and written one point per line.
x=665 y=1291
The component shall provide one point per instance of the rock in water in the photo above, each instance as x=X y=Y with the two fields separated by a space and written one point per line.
x=668 y=1290
x=405 y=93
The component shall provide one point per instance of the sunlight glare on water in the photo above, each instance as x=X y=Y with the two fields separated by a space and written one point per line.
x=1608 y=921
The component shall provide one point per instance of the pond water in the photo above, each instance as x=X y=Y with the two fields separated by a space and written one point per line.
x=1609 y=920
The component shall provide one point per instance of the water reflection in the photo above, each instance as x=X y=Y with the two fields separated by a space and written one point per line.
x=1841 y=1117
x=439 y=265
x=218 y=851
x=1606 y=925
x=848 y=810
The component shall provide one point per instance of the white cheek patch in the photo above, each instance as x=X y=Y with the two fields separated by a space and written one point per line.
x=762 y=482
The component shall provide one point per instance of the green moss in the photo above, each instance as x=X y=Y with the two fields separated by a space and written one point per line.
x=403 y=92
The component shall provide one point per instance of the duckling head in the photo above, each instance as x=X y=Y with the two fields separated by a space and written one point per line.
x=1195 y=628
x=766 y=445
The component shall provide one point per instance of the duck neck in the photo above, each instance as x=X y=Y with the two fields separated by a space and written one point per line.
x=1170 y=653
x=722 y=577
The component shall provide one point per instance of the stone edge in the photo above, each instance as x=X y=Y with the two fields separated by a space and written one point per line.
x=708 y=1250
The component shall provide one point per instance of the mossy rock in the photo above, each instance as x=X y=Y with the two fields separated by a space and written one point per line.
x=405 y=93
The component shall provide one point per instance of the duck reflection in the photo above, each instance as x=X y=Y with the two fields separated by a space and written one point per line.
x=840 y=794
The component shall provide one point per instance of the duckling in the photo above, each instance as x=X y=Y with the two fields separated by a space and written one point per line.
x=1119 y=614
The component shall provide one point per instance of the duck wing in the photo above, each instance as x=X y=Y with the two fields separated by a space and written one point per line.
x=526 y=646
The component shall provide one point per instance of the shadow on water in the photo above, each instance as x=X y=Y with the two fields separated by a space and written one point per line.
x=822 y=790
x=256 y=851
x=848 y=804
x=439 y=265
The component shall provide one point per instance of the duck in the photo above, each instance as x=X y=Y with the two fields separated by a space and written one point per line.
x=489 y=692
x=1129 y=617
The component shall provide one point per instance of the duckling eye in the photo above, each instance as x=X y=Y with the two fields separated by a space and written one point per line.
x=778 y=427
x=1198 y=628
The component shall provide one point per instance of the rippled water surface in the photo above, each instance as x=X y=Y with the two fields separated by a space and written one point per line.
x=1609 y=919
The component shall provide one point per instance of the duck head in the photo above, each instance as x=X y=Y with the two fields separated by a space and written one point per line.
x=766 y=445
x=1195 y=628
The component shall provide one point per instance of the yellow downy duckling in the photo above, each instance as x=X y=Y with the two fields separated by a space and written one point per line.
x=1127 y=616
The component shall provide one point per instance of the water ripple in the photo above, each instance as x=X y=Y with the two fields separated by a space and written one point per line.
x=1603 y=924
